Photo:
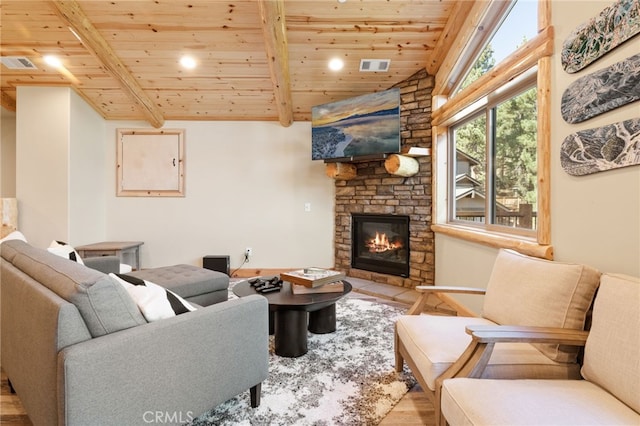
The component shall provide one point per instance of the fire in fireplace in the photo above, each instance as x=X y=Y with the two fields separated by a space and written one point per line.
x=380 y=243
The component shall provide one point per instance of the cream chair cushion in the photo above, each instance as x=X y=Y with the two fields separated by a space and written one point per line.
x=612 y=352
x=525 y=290
x=418 y=334
x=531 y=402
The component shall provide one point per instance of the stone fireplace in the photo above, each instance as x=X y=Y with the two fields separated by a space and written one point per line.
x=374 y=191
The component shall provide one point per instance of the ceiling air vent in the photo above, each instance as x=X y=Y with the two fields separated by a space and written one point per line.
x=372 y=65
x=17 y=63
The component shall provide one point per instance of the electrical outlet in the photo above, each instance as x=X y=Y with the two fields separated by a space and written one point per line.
x=247 y=253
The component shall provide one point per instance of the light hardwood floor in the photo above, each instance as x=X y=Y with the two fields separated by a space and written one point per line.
x=11 y=409
x=415 y=408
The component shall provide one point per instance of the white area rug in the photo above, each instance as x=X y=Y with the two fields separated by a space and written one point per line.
x=346 y=378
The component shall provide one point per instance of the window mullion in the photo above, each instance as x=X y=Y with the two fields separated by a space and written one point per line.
x=490 y=186
x=451 y=202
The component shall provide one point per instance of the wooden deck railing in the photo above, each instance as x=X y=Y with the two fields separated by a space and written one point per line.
x=524 y=218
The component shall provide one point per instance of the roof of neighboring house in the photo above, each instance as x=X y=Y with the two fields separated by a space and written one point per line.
x=463 y=156
x=466 y=180
x=464 y=192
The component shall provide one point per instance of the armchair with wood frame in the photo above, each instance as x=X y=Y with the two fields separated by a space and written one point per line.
x=607 y=394
x=522 y=291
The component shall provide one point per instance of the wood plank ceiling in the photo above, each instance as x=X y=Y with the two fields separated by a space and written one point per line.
x=257 y=59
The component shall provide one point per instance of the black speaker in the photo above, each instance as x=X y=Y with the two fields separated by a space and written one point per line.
x=216 y=263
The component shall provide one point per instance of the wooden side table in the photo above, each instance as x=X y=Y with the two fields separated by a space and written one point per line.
x=123 y=249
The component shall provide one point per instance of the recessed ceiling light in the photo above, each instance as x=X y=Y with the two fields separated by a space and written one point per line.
x=188 y=62
x=342 y=1
x=336 y=64
x=52 y=60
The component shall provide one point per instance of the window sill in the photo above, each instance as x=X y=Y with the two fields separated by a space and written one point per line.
x=523 y=245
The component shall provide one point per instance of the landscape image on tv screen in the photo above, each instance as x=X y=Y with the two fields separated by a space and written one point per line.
x=355 y=127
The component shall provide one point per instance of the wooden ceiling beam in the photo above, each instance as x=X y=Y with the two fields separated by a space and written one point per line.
x=73 y=16
x=7 y=101
x=275 y=39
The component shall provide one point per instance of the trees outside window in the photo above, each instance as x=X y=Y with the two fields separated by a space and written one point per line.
x=496 y=166
x=494 y=180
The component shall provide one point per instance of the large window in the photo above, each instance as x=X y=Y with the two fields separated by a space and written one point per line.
x=492 y=131
x=494 y=167
x=514 y=27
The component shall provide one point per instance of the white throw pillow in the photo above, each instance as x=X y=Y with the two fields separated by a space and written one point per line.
x=154 y=301
x=63 y=249
x=15 y=235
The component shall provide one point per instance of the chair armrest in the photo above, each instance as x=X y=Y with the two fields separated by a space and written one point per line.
x=449 y=289
x=104 y=264
x=484 y=337
x=183 y=365
x=526 y=334
x=426 y=290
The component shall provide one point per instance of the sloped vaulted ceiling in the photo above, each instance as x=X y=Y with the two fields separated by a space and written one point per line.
x=257 y=59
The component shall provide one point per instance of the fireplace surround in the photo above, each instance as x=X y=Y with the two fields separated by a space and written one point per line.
x=380 y=243
x=374 y=191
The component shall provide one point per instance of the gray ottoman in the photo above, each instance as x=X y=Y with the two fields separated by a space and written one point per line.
x=198 y=285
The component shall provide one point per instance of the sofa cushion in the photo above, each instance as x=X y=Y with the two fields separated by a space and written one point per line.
x=8 y=251
x=612 y=352
x=531 y=402
x=63 y=249
x=525 y=290
x=154 y=301
x=105 y=306
x=435 y=342
x=186 y=280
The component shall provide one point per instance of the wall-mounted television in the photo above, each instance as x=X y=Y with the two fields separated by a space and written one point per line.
x=367 y=125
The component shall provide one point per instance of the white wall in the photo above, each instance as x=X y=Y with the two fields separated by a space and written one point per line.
x=60 y=178
x=246 y=186
x=87 y=151
x=595 y=219
x=7 y=153
x=42 y=162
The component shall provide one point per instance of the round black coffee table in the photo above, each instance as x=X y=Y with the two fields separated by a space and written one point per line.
x=291 y=315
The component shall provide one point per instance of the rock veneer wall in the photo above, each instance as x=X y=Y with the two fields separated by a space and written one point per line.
x=376 y=191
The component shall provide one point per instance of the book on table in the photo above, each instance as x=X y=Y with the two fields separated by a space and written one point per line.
x=312 y=277
x=334 y=287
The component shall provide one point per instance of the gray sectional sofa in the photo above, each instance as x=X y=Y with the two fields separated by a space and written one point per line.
x=77 y=350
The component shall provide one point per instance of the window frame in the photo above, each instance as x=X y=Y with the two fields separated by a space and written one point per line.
x=487 y=107
x=449 y=109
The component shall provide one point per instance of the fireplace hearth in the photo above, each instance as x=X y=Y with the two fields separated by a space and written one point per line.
x=380 y=243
